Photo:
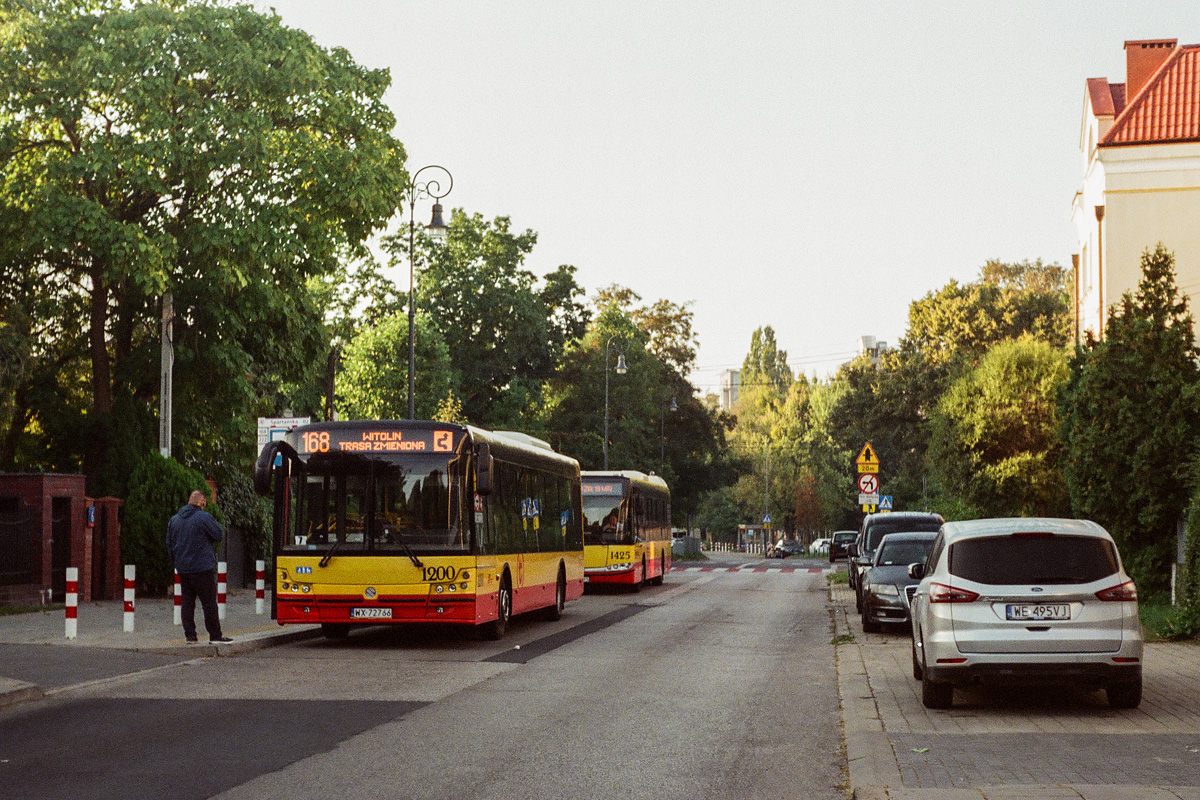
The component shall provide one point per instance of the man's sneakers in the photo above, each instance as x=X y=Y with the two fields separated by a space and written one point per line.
x=220 y=640
x=192 y=640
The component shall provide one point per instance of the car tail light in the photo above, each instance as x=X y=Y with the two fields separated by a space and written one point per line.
x=940 y=593
x=1125 y=592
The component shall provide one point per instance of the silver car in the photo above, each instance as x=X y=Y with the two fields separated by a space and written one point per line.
x=1025 y=600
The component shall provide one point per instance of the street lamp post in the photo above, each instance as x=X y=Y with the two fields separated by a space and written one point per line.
x=432 y=189
x=621 y=370
x=662 y=435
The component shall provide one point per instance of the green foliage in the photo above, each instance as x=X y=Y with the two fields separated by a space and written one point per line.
x=1130 y=418
x=995 y=432
x=684 y=445
x=373 y=383
x=503 y=331
x=718 y=515
x=960 y=322
x=158 y=488
x=244 y=509
x=766 y=364
x=197 y=147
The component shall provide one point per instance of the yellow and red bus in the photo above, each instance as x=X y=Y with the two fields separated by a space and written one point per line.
x=382 y=522
x=627 y=528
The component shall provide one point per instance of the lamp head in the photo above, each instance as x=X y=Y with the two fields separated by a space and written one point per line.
x=621 y=367
x=436 y=227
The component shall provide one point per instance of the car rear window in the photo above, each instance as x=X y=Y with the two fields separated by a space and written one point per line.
x=903 y=553
x=882 y=529
x=1004 y=560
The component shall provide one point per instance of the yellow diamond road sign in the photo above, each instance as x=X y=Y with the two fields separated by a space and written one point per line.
x=867 y=461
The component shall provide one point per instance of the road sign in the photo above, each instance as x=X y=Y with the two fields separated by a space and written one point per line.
x=885 y=503
x=865 y=499
x=867 y=461
x=766 y=519
x=868 y=483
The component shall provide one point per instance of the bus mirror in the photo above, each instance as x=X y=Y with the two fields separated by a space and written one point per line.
x=266 y=462
x=483 y=469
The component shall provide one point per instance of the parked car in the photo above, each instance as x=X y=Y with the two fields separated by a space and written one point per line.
x=1025 y=600
x=888 y=587
x=837 y=547
x=819 y=546
x=874 y=527
x=786 y=547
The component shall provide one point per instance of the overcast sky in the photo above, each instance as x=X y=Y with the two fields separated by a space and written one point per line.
x=812 y=166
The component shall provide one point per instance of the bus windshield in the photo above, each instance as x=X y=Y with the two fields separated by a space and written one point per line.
x=387 y=504
x=603 y=520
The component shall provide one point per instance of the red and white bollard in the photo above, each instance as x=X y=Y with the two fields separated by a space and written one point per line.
x=72 y=602
x=222 y=579
x=130 y=584
x=178 y=620
x=260 y=585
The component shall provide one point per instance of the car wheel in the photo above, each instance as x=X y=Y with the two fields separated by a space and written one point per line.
x=916 y=665
x=935 y=694
x=1127 y=694
x=858 y=605
x=870 y=626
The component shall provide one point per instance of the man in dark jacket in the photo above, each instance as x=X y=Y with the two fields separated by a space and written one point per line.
x=191 y=534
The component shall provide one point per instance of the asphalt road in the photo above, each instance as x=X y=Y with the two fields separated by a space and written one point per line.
x=716 y=685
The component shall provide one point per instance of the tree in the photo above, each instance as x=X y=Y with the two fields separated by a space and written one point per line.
x=766 y=364
x=190 y=147
x=504 y=332
x=685 y=445
x=995 y=432
x=960 y=322
x=718 y=514
x=1130 y=421
x=373 y=382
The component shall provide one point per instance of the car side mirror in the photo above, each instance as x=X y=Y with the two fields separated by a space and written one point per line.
x=916 y=571
x=852 y=550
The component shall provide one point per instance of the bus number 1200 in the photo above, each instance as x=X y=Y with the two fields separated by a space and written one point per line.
x=436 y=574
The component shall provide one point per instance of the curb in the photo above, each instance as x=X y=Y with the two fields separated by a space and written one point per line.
x=13 y=692
x=870 y=759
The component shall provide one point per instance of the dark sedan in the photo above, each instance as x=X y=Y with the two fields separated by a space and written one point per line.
x=886 y=584
x=837 y=547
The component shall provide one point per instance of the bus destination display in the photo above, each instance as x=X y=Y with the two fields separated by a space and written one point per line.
x=606 y=489
x=374 y=440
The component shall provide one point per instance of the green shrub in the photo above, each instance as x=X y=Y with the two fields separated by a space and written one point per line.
x=158 y=488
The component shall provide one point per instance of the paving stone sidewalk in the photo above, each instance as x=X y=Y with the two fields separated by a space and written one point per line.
x=1003 y=745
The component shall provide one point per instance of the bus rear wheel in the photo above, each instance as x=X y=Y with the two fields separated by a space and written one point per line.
x=495 y=629
x=554 y=613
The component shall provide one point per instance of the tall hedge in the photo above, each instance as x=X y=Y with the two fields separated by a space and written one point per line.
x=1130 y=422
x=158 y=488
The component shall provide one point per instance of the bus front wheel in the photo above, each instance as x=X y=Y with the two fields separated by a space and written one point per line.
x=657 y=580
x=494 y=630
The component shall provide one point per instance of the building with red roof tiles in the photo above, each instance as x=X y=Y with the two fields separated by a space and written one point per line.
x=1140 y=142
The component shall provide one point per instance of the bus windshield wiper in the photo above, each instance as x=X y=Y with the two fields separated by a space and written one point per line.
x=324 y=562
x=409 y=552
